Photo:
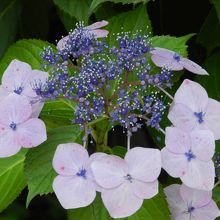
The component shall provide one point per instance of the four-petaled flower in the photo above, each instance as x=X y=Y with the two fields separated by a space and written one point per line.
x=190 y=204
x=126 y=183
x=192 y=109
x=17 y=129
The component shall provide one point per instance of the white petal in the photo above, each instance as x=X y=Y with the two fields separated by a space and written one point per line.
x=3 y=92
x=36 y=109
x=69 y=158
x=73 y=192
x=200 y=175
x=203 y=144
x=144 y=163
x=99 y=33
x=145 y=190
x=193 y=95
x=212 y=117
x=177 y=141
x=176 y=165
x=96 y=25
x=62 y=43
x=198 y=198
x=121 y=201
x=109 y=171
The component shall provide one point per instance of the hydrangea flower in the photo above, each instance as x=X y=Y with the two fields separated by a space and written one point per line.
x=126 y=183
x=17 y=129
x=190 y=204
x=193 y=109
x=189 y=156
x=19 y=78
x=93 y=29
x=166 y=58
x=74 y=186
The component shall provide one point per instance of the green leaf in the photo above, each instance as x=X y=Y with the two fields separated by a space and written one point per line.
x=209 y=35
x=96 y=3
x=217 y=7
x=9 y=14
x=177 y=44
x=38 y=163
x=68 y=21
x=119 y=151
x=75 y=8
x=12 y=179
x=155 y=208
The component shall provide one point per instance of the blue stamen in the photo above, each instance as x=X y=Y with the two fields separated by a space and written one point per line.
x=189 y=155
x=18 y=90
x=13 y=126
x=190 y=209
x=129 y=178
x=82 y=173
x=200 y=116
x=176 y=57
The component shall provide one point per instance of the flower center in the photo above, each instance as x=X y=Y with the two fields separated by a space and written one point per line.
x=200 y=116
x=18 y=90
x=13 y=126
x=190 y=209
x=82 y=173
x=128 y=177
x=189 y=155
x=176 y=57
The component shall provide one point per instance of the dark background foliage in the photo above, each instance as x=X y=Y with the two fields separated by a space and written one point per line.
x=42 y=19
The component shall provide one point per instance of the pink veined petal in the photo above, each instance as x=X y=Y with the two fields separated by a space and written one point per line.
x=8 y=143
x=36 y=109
x=193 y=95
x=144 y=190
x=14 y=108
x=69 y=158
x=198 y=198
x=176 y=165
x=177 y=141
x=182 y=117
x=74 y=192
x=31 y=133
x=109 y=171
x=162 y=57
x=200 y=175
x=98 y=33
x=212 y=117
x=121 y=202
x=15 y=75
x=144 y=163
x=175 y=201
x=3 y=92
x=97 y=25
x=62 y=43
x=36 y=77
x=192 y=66
x=203 y=144
x=185 y=216
x=208 y=212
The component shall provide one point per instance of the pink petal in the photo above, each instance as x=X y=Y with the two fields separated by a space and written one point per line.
x=185 y=216
x=97 y=25
x=31 y=133
x=193 y=95
x=144 y=163
x=212 y=117
x=8 y=143
x=99 y=33
x=182 y=117
x=177 y=141
x=73 y=192
x=109 y=171
x=69 y=158
x=36 y=109
x=62 y=43
x=203 y=144
x=192 y=67
x=15 y=75
x=176 y=165
x=200 y=175
x=144 y=190
x=162 y=57
x=14 y=108
x=121 y=201
x=198 y=198
x=175 y=201
x=208 y=212
x=3 y=92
